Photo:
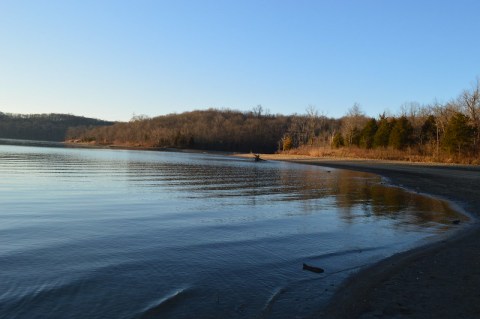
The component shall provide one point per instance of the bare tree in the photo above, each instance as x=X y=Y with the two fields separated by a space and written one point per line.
x=352 y=122
x=470 y=103
x=312 y=123
x=258 y=110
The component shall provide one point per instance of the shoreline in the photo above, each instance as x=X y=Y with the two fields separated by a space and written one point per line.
x=142 y=148
x=439 y=279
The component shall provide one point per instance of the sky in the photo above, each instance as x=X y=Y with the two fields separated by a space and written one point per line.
x=113 y=59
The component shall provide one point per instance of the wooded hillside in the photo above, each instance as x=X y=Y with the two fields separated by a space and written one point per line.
x=225 y=130
x=44 y=127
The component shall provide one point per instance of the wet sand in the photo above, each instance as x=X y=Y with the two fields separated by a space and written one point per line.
x=439 y=280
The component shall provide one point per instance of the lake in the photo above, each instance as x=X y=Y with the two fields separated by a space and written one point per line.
x=99 y=233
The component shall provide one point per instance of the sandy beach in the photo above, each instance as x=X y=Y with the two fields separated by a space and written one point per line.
x=437 y=280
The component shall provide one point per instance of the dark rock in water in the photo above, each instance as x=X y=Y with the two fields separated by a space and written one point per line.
x=312 y=268
x=456 y=222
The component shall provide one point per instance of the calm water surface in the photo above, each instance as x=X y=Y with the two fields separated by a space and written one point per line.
x=127 y=234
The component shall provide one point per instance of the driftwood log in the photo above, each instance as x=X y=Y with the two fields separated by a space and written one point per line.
x=318 y=270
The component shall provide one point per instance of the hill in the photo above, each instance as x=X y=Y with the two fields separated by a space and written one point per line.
x=44 y=127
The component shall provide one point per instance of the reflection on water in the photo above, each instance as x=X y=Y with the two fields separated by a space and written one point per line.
x=126 y=234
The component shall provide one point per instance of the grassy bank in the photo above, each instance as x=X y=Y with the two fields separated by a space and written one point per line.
x=381 y=154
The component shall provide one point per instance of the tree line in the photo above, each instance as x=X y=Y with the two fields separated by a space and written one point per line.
x=447 y=131
x=436 y=130
x=213 y=129
x=44 y=127
x=224 y=130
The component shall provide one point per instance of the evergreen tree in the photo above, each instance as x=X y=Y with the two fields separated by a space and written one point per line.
x=337 y=140
x=368 y=134
x=458 y=134
x=382 y=135
x=429 y=130
x=401 y=134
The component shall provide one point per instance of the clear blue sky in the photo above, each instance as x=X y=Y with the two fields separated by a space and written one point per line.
x=110 y=59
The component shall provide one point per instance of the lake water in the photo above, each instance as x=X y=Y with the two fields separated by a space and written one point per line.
x=93 y=233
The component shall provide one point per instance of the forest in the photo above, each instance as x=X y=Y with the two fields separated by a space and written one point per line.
x=44 y=127
x=445 y=132
x=442 y=132
x=222 y=130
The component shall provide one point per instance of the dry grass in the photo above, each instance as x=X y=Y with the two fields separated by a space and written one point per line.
x=408 y=155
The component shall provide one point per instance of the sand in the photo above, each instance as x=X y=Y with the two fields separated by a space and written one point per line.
x=437 y=280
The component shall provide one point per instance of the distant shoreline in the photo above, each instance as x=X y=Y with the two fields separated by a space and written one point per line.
x=143 y=148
